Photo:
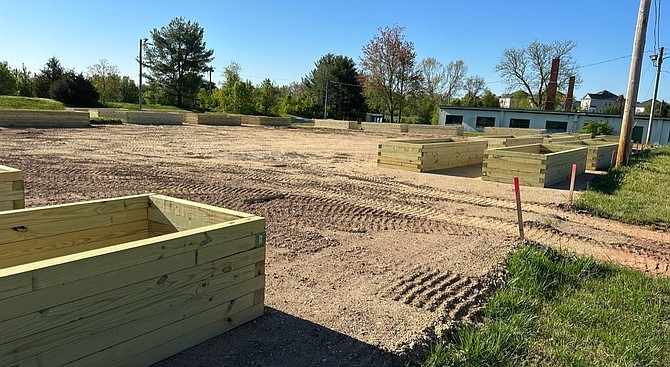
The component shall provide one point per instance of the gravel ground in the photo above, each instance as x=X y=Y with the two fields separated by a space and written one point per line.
x=365 y=265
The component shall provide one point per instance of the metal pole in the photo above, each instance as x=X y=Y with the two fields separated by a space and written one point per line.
x=325 y=103
x=633 y=83
x=140 y=74
x=653 y=101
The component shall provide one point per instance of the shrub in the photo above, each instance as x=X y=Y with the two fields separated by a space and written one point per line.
x=597 y=128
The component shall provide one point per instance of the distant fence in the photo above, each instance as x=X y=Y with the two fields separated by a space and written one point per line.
x=44 y=118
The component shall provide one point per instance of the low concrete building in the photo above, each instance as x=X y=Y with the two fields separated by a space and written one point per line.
x=475 y=119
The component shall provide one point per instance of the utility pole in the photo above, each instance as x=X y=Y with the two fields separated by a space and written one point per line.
x=325 y=103
x=653 y=101
x=142 y=41
x=633 y=83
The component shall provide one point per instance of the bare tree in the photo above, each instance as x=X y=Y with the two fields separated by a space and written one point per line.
x=473 y=86
x=456 y=71
x=529 y=68
x=434 y=77
x=387 y=69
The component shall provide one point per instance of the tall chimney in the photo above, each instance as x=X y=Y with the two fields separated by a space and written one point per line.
x=553 y=84
x=569 y=99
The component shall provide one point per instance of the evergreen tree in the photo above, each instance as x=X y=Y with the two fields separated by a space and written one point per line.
x=177 y=59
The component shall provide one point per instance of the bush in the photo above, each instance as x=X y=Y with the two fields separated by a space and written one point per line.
x=597 y=128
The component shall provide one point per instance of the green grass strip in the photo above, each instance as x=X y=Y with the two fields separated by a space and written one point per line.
x=638 y=193
x=561 y=310
x=29 y=103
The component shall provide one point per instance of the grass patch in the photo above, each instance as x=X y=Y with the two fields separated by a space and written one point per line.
x=29 y=103
x=560 y=310
x=136 y=107
x=473 y=133
x=638 y=193
x=105 y=121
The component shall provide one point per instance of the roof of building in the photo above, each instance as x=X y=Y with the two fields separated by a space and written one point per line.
x=646 y=103
x=603 y=94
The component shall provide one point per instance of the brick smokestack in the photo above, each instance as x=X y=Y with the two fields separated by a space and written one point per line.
x=553 y=84
x=569 y=99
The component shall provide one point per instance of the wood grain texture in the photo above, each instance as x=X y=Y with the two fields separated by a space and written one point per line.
x=79 y=284
x=44 y=118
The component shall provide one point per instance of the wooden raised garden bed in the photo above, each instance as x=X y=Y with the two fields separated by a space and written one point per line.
x=11 y=189
x=429 y=154
x=599 y=152
x=155 y=118
x=44 y=118
x=538 y=165
x=336 y=124
x=509 y=141
x=211 y=118
x=516 y=131
x=124 y=281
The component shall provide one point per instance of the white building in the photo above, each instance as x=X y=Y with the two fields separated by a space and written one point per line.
x=475 y=119
x=595 y=102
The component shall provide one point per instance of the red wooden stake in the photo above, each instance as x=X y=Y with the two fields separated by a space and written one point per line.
x=572 y=182
x=517 y=192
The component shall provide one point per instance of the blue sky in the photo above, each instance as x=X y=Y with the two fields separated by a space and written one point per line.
x=281 y=40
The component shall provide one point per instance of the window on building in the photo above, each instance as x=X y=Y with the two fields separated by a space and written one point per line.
x=556 y=126
x=483 y=121
x=522 y=123
x=454 y=119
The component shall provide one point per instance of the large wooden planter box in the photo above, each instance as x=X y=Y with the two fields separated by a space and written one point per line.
x=336 y=124
x=509 y=141
x=599 y=153
x=126 y=281
x=114 y=113
x=538 y=165
x=516 y=131
x=559 y=139
x=265 y=120
x=11 y=189
x=155 y=118
x=429 y=154
x=218 y=119
x=44 y=118
x=383 y=127
x=451 y=130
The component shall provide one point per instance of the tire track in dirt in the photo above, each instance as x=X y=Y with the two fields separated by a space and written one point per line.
x=454 y=297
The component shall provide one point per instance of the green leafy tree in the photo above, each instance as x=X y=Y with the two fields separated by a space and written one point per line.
x=267 y=97
x=24 y=83
x=529 y=68
x=338 y=75
x=7 y=80
x=129 y=90
x=490 y=100
x=613 y=110
x=74 y=90
x=597 y=128
x=387 y=69
x=177 y=58
x=106 y=80
x=241 y=99
x=661 y=109
x=43 y=81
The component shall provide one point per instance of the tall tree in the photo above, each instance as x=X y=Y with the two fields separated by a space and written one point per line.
x=51 y=72
x=106 y=80
x=474 y=86
x=529 y=68
x=7 y=80
x=177 y=58
x=24 y=82
x=387 y=69
x=455 y=75
x=267 y=97
x=337 y=75
x=434 y=77
x=129 y=91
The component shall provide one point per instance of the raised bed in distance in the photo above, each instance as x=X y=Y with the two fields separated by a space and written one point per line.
x=425 y=155
x=538 y=165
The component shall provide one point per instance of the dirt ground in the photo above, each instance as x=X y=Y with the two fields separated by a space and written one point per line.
x=365 y=265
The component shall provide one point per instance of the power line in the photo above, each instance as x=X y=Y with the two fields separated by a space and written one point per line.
x=604 y=62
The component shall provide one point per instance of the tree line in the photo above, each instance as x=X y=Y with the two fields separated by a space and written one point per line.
x=388 y=78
